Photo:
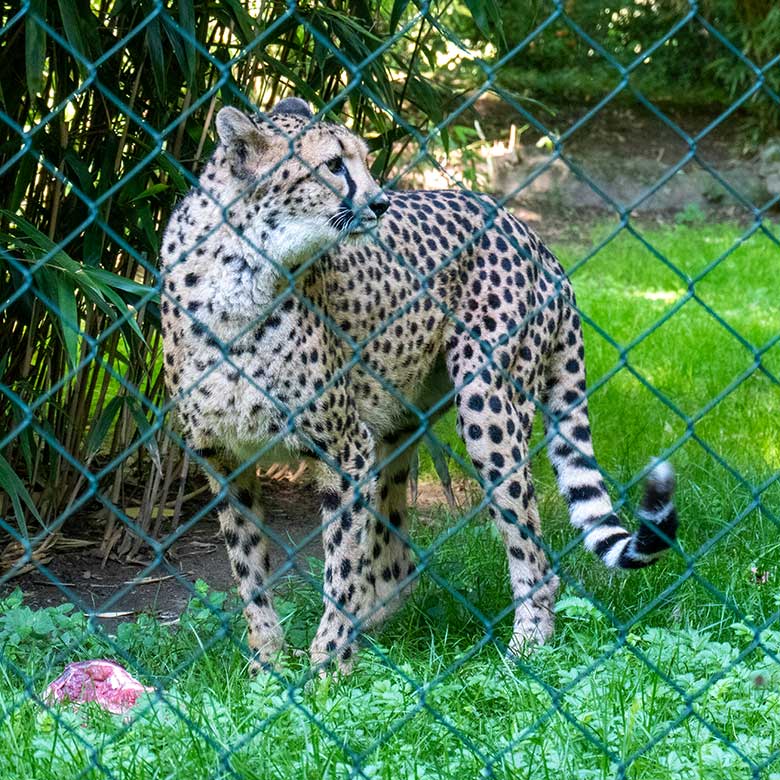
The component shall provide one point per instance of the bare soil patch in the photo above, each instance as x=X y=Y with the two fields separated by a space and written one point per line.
x=119 y=589
x=122 y=589
x=655 y=169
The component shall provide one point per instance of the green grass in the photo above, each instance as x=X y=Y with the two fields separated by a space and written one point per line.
x=672 y=674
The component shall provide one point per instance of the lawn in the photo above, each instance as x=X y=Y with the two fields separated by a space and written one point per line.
x=669 y=671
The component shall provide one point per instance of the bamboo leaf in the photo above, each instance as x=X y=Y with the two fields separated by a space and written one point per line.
x=487 y=16
x=187 y=22
x=399 y=6
x=68 y=317
x=62 y=261
x=99 y=431
x=108 y=301
x=174 y=171
x=25 y=175
x=246 y=25
x=121 y=307
x=24 y=437
x=302 y=87
x=422 y=95
x=156 y=55
x=62 y=301
x=145 y=429
x=93 y=244
x=119 y=282
x=146 y=223
x=17 y=492
x=32 y=232
x=174 y=39
x=444 y=134
x=150 y=192
x=106 y=177
x=86 y=178
x=35 y=47
x=72 y=19
x=96 y=284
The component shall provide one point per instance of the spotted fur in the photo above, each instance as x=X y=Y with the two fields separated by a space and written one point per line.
x=306 y=313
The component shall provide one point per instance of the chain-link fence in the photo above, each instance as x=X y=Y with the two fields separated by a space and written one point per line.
x=109 y=112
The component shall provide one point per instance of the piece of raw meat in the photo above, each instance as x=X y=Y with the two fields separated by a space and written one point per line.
x=101 y=681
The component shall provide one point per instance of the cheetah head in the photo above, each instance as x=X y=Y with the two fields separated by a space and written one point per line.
x=296 y=185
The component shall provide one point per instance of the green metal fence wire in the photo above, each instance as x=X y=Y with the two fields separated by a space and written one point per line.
x=155 y=427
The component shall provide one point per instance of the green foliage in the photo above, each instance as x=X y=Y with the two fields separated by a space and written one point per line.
x=17 y=493
x=44 y=633
x=108 y=108
x=691 y=215
x=756 y=31
x=690 y=67
x=598 y=702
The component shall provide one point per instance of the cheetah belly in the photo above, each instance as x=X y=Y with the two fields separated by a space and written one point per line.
x=392 y=415
x=245 y=423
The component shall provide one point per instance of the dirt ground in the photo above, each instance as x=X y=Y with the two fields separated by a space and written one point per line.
x=624 y=151
x=118 y=589
x=616 y=160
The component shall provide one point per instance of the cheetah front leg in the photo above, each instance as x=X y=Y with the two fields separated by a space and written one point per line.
x=348 y=596
x=240 y=520
x=390 y=566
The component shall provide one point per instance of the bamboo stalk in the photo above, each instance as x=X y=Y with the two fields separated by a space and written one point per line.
x=185 y=465
x=83 y=132
x=180 y=129
x=169 y=457
x=110 y=517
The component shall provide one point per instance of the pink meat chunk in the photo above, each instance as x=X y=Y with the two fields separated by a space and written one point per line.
x=101 y=681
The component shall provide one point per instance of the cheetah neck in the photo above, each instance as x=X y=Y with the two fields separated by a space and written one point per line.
x=252 y=247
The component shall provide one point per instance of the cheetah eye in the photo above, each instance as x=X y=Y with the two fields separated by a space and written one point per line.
x=336 y=165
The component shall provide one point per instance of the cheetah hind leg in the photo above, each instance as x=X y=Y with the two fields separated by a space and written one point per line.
x=496 y=426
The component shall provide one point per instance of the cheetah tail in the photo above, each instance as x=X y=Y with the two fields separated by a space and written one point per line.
x=656 y=511
x=590 y=509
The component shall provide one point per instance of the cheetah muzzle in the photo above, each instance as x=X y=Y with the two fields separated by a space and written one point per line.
x=447 y=298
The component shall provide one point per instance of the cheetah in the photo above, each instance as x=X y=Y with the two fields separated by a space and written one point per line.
x=308 y=314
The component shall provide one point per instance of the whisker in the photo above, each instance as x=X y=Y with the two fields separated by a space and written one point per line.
x=341 y=219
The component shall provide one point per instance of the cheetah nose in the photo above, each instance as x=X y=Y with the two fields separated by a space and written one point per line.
x=379 y=205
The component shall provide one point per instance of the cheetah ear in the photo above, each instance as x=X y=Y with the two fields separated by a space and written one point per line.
x=293 y=105
x=232 y=126
x=246 y=144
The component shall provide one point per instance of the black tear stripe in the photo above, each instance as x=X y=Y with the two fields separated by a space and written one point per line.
x=351 y=188
x=346 y=213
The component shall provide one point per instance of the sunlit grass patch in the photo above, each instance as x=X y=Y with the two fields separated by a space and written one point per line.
x=670 y=671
